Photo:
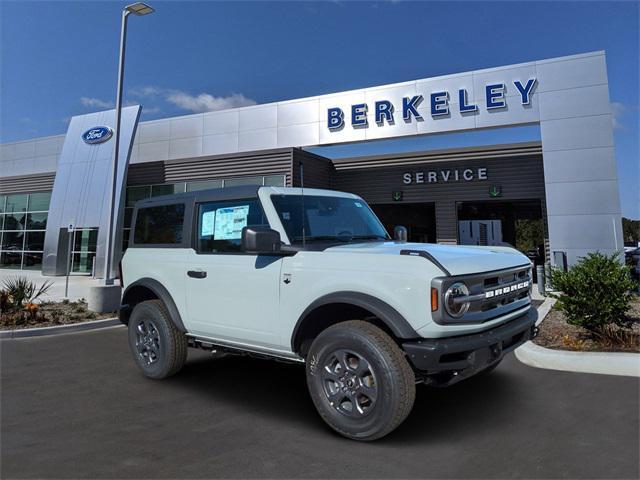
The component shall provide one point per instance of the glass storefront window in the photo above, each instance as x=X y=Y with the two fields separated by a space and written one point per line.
x=10 y=259
x=32 y=261
x=16 y=203
x=274 y=181
x=84 y=250
x=37 y=221
x=14 y=221
x=23 y=221
x=203 y=185
x=39 y=202
x=137 y=193
x=128 y=215
x=85 y=240
x=157 y=190
x=12 y=241
x=236 y=182
x=34 y=241
x=83 y=262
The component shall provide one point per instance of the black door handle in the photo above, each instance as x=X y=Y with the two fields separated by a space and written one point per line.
x=197 y=274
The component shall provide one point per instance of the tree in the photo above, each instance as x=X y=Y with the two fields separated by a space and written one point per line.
x=630 y=230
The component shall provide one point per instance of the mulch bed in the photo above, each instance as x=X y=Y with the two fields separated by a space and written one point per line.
x=556 y=333
x=51 y=314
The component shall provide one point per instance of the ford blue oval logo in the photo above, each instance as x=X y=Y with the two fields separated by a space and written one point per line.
x=97 y=135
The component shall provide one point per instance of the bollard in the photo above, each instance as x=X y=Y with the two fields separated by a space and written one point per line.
x=541 y=278
x=547 y=276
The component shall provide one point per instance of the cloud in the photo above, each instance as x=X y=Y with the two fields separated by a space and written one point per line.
x=205 y=102
x=95 y=103
x=617 y=111
x=151 y=110
x=146 y=91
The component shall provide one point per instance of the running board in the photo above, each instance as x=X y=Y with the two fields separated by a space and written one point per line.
x=211 y=344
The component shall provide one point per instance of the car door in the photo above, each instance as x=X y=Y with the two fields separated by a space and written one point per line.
x=231 y=295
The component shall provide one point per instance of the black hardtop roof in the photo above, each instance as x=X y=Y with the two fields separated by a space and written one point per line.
x=209 y=195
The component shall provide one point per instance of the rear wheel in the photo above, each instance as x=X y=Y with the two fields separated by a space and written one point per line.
x=158 y=347
x=359 y=380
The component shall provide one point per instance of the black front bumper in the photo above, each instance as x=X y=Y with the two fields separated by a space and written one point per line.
x=465 y=355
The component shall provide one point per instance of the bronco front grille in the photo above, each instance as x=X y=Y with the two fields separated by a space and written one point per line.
x=491 y=294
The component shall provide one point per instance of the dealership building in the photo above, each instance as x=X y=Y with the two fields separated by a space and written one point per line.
x=557 y=196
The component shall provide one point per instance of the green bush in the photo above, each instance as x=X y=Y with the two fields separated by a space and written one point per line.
x=595 y=293
x=18 y=292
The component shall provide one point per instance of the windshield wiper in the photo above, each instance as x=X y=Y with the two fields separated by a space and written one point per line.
x=339 y=238
x=369 y=237
x=318 y=238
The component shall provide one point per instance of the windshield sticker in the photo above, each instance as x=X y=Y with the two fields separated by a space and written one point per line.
x=286 y=216
x=358 y=204
x=208 y=221
x=230 y=221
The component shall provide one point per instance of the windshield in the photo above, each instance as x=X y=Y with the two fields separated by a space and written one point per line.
x=329 y=219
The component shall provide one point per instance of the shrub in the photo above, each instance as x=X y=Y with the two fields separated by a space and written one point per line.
x=595 y=293
x=18 y=292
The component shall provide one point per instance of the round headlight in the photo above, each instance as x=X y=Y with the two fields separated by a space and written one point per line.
x=456 y=309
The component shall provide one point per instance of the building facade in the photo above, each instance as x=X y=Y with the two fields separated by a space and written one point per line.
x=557 y=197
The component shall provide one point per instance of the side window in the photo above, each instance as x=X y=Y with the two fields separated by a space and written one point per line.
x=220 y=224
x=161 y=225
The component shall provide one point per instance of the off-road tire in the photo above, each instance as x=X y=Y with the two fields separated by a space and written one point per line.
x=394 y=380
x=171 y=343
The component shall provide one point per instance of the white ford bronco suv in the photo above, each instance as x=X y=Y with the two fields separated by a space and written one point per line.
x=312 y=276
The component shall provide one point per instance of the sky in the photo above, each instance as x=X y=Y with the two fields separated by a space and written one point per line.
x=59 y=59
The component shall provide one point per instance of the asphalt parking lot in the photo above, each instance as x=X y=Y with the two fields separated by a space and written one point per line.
x=75 y=406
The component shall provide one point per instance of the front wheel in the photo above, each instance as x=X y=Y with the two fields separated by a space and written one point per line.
x=359 y=380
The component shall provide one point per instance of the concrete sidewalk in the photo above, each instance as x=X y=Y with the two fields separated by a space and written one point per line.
x=79 y=285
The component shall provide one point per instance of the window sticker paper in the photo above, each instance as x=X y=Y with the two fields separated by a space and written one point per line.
x=230 y=221
x=207 y=224
x=358 y=204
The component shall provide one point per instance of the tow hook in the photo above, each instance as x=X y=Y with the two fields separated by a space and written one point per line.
x=534 y=332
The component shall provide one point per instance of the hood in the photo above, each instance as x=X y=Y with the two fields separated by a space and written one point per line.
x=457 y=259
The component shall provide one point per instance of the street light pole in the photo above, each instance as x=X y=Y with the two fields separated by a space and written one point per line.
x=137 y=9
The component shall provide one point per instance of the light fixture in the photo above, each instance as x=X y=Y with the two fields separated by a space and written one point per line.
x=139 y=9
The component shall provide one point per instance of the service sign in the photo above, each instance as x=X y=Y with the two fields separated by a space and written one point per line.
x=97 y=135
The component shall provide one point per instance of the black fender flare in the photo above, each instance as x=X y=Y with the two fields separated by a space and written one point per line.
x=161 y=293
x=380 y=309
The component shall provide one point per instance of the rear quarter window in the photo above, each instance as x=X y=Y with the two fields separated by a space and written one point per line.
x=159 y=225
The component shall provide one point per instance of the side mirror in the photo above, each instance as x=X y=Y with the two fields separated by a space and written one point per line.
x=260 y=240
x=400 y=234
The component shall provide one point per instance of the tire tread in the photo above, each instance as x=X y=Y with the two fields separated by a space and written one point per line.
x=178 y=345
x=400 y=369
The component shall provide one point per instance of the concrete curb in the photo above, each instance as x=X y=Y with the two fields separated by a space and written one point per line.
x=544 y=309
x=59 y=329
x=607 y=363
x=625 y=364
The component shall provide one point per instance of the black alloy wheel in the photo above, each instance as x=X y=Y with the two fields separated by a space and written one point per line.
x=359 y=380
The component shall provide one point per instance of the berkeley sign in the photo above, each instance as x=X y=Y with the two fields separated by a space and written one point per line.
x=384 y=110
